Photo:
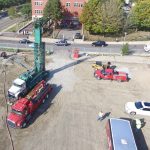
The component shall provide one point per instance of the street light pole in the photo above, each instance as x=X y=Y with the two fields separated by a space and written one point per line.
x=125 y=33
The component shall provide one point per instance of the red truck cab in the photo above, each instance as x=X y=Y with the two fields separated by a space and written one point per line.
x=23 y=109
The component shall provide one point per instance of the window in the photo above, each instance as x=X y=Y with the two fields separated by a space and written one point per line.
x=138 y=105
x=146 y=109
x=38 y=11
x=147 y=104
x=80 y=5
x=75 y=4
x=38 y=3
x=68 y=4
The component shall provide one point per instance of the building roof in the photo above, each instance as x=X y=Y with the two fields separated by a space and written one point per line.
x=122 y=135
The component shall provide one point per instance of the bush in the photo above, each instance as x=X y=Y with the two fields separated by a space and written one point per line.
x=125 y=49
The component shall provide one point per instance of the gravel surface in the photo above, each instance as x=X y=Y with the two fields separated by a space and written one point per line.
x=68 y=120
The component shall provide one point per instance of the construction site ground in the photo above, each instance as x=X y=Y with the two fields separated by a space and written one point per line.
x=68 y=119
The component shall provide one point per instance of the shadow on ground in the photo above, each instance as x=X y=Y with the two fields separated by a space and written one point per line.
x=46 y=105
x=51 y=73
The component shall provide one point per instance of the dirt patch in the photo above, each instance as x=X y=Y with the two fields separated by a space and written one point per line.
x=70 y=121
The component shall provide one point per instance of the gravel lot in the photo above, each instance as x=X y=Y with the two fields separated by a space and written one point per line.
x=68 y=120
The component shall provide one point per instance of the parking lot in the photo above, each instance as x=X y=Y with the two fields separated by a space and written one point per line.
x=68 y=120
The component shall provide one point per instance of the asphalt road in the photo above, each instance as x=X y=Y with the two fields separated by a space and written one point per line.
x=7 y=22
x=111 y=48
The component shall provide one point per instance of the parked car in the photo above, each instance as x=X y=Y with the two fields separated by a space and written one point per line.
x=31 y=45
x=99 y=43
x=78 y=36
x=140 y=107
x=62 y=43
x=147 y=48
x=24 y=41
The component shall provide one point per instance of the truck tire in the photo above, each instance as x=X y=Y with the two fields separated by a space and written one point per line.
x=47 y=96
x=132 y=113
x=24 y=125
x=43 y=101
x=98 y=78
x=119 y=80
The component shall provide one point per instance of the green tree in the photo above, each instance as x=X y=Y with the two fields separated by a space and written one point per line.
x=53 y=10
x=103 y=16
x=125 y=49
x=87 y=17
x=141 y=14
x=12 y=12
x=112 y=16
x=8 y=3
x=26 y=10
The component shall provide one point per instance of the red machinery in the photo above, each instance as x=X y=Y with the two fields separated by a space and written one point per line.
x=76 y=54
x=22 y=110
x=111 y=74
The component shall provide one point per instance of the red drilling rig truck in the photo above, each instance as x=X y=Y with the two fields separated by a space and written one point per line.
x=22 y=110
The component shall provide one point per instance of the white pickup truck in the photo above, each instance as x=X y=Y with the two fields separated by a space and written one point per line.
x=17 y=90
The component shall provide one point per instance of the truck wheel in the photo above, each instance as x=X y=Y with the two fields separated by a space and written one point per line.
x=24 y=125
x=98 y=78
x=132 y=113
x=119 y=80
x=43 y=101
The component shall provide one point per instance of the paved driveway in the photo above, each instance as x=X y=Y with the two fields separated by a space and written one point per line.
x=67 y=33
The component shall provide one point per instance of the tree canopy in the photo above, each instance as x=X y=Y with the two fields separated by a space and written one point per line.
x=140 y=16
x=103 y=16
x=8 y=3
x=26 y=9
x=52 y=10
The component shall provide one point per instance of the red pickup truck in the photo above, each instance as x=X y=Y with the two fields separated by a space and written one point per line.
x=22 y=110
x=111 y=74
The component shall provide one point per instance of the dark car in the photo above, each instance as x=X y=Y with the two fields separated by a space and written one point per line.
x=99 y=43
x=25 y=41
x=62 y=43
x=78 y=36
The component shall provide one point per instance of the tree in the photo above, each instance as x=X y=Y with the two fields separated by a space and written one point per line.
x=12 y=11
x=8 y=3
x=112 y=16
x=141 y=14
x=89 y=20
x=26 y=10
x=103 y=16
x=53 y=11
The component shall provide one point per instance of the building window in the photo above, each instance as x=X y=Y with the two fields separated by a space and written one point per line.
x=80 y=5
x=38 y=3
x=38 y=12
x=68 y=4
x=75 y=4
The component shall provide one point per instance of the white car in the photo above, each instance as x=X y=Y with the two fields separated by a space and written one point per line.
x=147 y=48
x=31 y=45
x=140 y=107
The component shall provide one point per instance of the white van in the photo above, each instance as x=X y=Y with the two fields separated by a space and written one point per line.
x=147 y=48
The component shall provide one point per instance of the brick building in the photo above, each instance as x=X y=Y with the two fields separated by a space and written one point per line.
x=70 y=8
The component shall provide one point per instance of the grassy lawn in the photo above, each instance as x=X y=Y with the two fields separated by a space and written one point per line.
x=136 y=36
